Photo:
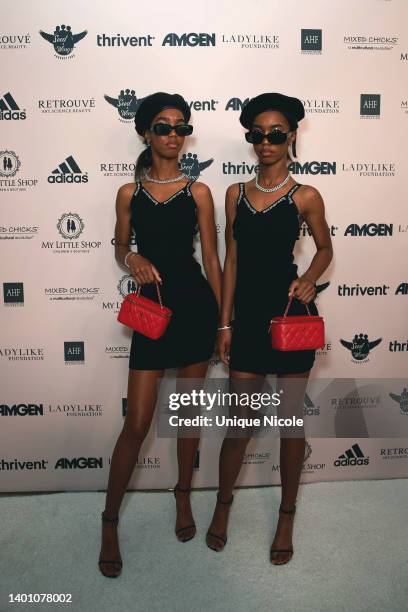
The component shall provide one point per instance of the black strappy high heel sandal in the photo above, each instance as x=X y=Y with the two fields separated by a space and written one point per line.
x=215 y=535
x=115 y=521
x=282 y=550
x=181 y=530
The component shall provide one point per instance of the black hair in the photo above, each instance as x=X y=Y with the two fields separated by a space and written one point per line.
x=143 y=162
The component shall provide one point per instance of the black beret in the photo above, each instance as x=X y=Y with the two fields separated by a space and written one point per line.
x=153 y=104
x=292 y=108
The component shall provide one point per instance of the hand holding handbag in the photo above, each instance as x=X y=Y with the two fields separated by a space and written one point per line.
x=297 y=333
x=145 y=316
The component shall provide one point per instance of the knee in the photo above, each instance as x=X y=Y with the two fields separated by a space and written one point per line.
x=136 y=429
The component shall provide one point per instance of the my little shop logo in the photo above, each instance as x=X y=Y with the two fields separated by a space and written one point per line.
x=360 y=347
x=9 y=166
x=126 y=104
x=70 y=226
x=63 y=40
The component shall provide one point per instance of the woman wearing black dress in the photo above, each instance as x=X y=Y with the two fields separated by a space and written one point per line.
x=259 y=276
x=163 y=209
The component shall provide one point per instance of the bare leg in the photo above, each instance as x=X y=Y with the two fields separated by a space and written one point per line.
x=142 y=395
x=230 y=462
x=186 y=454
x=292 y=451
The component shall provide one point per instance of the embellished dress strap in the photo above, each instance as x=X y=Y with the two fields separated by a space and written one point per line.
x=290 y=194
x=241 y=192
x=293 y=189
x=188 y=186
x=137 y=188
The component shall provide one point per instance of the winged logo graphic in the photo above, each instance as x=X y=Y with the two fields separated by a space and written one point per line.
x=360 y=346
x=191 y=166
x=126 y=103
x=402 y=400
x=63 y=39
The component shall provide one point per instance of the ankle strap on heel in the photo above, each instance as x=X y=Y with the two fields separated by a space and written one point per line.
x=224 y=503
x=106 y=519
x=177 y=488
x=292 y=511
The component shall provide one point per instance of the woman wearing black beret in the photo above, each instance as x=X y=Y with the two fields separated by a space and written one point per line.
x=259 y=276
x=163 y=208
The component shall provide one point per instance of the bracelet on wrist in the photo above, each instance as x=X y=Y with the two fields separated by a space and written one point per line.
x=128 y=254
x=224 y=327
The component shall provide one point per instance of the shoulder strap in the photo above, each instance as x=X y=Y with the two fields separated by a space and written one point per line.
x=294 y=188
x=241 y=191
x=137 y=188
x=188 y=186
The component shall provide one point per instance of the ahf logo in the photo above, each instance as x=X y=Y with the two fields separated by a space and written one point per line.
x=63 y=40
x=70 y=225
x=402 y=400
x=126 y=103
x=13 y=293
x=190 y=165
x=74 y=351
x=370 y=105
x=126 y=285
x=360 y=346
x=311 y=40
x=9 y=163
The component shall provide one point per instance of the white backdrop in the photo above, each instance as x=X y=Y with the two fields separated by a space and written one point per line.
x=66 y=148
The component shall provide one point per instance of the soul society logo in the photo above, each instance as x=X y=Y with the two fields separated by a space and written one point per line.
x=126 y=104
x=402 y=400
x=63 y=40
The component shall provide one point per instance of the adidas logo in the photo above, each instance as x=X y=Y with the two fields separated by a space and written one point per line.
x=68 y=172
x=9 y=109
x=352 y=456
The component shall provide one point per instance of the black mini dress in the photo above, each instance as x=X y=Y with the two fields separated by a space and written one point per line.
x=164 y=234
x=265 y=270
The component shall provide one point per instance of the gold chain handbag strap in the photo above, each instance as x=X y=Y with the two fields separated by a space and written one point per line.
x=139 y=289
x=289 y=304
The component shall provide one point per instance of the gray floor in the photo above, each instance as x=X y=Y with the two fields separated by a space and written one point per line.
x=350 y=552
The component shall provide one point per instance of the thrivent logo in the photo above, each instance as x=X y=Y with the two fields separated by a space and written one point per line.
x=9 y=109
x=352 y=456
x=68 y=172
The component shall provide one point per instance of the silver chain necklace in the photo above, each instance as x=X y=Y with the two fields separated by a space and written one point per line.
x=271 y=189
x=180 y=177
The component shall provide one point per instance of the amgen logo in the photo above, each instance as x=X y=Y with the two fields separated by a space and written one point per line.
x=189 y=40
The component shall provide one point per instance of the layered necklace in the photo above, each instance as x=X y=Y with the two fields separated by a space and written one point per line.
x=271 y=189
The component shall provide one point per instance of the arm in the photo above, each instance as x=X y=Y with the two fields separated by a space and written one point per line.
x=229 y=274
x=141 y=269
x=311 y=207
x=208 y=236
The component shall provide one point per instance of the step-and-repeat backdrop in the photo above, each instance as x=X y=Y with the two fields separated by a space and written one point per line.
x=72 y=75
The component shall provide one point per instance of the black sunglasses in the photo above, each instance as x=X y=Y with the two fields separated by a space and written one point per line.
x=274 y=137
x=164 y=129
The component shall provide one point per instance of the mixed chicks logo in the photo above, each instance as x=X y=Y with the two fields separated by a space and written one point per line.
x=63 y=40
x=360 y=346
x=126 y=104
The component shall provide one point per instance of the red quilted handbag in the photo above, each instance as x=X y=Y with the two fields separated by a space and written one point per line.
x=144 y=315
x=297 y=333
